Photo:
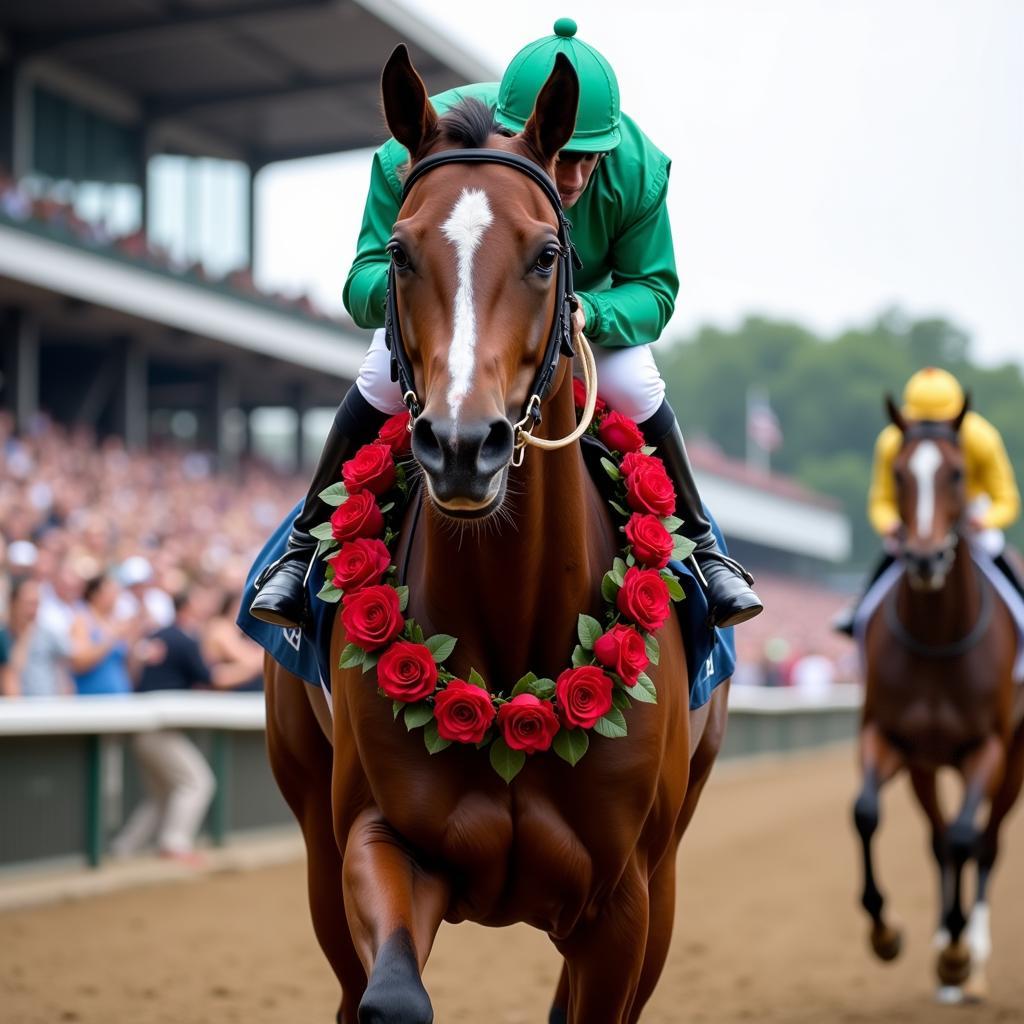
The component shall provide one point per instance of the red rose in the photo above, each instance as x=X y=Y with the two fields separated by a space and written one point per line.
x=463 y=712
x=372 y=469
x=648 y=488
x=528 y=723
x=395 y=434
x=579 y=398
x=652 y=543
x=643 y=598
x=359 y=516
x=359 y=563
x=406 y=672
x=620 y=433
x=583 y=695
x=622 y=650
x=371 y=617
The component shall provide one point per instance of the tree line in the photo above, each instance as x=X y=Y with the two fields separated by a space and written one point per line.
x=828 y=395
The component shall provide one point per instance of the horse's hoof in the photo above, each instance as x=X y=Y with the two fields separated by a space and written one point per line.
x=976 y=987
x=954 y=964
x=949 y=995
x=886 y=941
x=395 y=992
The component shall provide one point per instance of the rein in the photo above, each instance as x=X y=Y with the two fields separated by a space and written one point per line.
x=559 y=340
x=951 y=650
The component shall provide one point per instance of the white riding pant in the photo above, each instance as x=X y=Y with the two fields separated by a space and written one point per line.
x=991 y=541
x=628 y=379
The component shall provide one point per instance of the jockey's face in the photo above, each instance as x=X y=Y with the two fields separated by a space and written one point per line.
x=572 y=174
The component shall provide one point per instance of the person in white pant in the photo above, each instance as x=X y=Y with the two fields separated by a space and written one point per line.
x=179 y=782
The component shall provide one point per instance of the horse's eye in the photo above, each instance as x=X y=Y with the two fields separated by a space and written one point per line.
x=545 y=262
x=399 y=257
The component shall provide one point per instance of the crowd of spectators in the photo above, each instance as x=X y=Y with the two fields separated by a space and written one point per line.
x=20 y=204
x=101 y=547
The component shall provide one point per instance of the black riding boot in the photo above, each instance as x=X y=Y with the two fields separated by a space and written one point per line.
x=1010 y=571
x=843 y=622
x=726 y=582
x=281 y=586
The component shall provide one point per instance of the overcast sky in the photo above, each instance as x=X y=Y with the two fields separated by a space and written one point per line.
x=829 y=159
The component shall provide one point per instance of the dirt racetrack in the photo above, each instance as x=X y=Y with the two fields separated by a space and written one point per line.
x=767 y=929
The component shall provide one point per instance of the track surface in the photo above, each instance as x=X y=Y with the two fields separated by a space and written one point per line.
x=767 y=929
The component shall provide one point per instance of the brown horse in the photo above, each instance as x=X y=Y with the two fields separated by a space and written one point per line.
x=940 y=692
x=399 y=841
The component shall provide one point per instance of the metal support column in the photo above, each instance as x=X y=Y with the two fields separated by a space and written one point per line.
x=21 y=367
x=132 y=410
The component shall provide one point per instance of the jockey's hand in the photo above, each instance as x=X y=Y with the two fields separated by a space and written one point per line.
x=579 y=321
x=976 y=524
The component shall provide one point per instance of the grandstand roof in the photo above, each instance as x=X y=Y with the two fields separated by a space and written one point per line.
x=256 y=80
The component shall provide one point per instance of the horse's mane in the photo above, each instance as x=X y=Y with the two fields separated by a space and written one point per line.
x=470 y=123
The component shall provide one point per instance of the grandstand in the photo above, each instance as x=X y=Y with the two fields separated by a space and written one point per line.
x=105 y=325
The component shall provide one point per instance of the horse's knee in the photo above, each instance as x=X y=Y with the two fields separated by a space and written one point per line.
x=865 y=814
x=395 y=993
x=962 y=840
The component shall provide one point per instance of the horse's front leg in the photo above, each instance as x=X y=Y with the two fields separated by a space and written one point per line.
x=982 y=770
x=605 y=956
x=879 y=763
x=394 y=909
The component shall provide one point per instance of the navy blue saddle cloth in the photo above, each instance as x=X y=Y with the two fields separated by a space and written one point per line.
x=710 y=654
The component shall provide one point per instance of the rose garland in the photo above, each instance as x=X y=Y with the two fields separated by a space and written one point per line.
x=539 y=714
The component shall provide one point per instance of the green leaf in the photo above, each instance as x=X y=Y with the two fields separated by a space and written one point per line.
x=413 y=631
x=417 y=714
x=644 y=691
x=571 y=744
x=508 y=763
x=523 y=684
x=589 y=631
x=370 y=661
x=441 y=646
x=611 y=469
x=433 y=742
x=675 y=591
x=326 y=547
x=579 y=657
x=336 y=494
x=648 y=449
x=671 y=523
x=609 y=588
x=403 y=598
x=620 y=699
x=385 y=509
x=352 y=656
x=396 y=707
x=612 y=725
x=323 y=531
x=683 y=548
x=543 y=688
x=618 y=508
x=475 y=679
x=329 y=593
x=619 y=567
x=653 y=648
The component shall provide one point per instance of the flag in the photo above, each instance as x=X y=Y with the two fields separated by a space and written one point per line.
x=763 y=428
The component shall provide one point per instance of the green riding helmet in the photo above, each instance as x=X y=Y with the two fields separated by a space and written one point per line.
x=597 y=121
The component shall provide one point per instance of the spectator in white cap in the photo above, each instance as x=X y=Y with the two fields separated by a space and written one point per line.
x=142 y=595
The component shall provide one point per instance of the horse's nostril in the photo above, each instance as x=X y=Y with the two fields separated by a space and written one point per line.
x=427 y=446
x=496 y=448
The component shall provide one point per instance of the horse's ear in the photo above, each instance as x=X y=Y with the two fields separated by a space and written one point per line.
x=407 y=108
x=554 y=114
x=958 y=422
x=894 y=414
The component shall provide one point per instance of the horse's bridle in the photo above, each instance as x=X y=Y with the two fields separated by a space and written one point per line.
x=560 y=339
x=931 y=430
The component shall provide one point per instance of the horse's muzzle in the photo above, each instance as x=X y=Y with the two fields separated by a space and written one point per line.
x=927 y=570
x=464 y=463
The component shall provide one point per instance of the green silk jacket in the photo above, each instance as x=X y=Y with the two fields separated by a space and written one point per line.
x=620 y=227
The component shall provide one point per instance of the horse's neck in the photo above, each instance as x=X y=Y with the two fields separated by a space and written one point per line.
x=943 y=615
x=511 y=589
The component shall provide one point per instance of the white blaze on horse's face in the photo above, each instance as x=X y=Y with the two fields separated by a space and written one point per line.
x=924 y=464
x=464 y=228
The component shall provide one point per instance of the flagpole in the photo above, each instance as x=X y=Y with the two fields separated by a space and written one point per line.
x=758 y=457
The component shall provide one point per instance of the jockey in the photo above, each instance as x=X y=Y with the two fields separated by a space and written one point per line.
x=936 y=396
x=615 y=182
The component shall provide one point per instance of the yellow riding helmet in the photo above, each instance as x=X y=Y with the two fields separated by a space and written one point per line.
x=932 y=394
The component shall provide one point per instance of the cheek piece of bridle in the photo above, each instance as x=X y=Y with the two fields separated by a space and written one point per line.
x=560 y=339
